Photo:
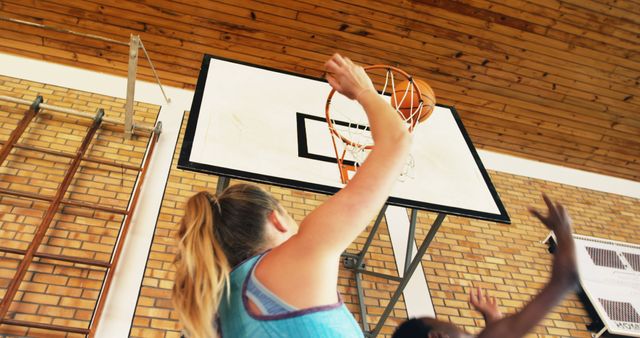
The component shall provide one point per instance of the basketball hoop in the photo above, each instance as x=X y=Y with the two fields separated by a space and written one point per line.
x=413 y=100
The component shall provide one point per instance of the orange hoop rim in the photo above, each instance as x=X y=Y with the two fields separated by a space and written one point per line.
x=414 y=122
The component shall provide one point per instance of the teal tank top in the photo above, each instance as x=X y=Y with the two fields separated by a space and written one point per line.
x=235 y=321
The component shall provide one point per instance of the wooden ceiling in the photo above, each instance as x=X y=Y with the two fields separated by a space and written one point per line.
x=552 y=80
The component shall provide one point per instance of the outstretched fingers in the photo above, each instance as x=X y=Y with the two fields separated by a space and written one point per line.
x=539 y=216
x=549 y=203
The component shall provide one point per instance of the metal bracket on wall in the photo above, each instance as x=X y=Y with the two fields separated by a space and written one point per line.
x=356 y=263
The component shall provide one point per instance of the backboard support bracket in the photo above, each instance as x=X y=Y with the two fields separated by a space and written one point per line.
x=356 y=263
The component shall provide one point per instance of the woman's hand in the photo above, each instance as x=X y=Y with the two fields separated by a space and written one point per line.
x=347 y=78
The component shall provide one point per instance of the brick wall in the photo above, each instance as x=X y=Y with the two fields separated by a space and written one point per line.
x=56 y=292
x=508 y=260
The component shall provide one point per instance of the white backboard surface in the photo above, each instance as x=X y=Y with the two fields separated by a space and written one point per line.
x=269 y=126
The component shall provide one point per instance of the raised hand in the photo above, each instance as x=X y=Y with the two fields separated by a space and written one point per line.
x=565 y=269
x=564 y=277
x=485 y=304
x=347 y=78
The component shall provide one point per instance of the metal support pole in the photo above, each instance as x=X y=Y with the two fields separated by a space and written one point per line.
x=67 y=201
x=411 y=239
x=69 y=259
x=13 y=286
x=363 y=306
x=67 y=329
x=134 y=45
x=409 y=272
x=20 y=128
x=123 y=234
x=70 y=155
x=153 y=69
x=363 y=271
x=372 y=234
x=223 y=183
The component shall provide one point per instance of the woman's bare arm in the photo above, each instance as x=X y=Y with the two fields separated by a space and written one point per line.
x=311 y=256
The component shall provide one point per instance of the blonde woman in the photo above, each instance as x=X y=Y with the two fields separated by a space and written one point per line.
x=244 y=268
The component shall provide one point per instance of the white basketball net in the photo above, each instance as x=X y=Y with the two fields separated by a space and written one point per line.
x=350 y=121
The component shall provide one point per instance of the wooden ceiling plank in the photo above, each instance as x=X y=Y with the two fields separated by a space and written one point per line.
x=546 y=26
x=516 y=52
x=538 y=103
x=629 y=5
x=553 y=152
x=593 y=6
x=527 y=132
x=587 y=104
x=575 y=124
x=572 y=72
x=549 y=47
x=209 y=46
x=565 y=19
x=83 y=25
x=576 y=149
x=539 y=155
x=572 y=11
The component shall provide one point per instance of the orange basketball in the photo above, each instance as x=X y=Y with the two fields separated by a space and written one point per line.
x=401 y=99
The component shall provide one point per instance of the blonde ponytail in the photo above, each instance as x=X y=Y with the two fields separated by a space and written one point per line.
x=215 y=235
x=202 y=269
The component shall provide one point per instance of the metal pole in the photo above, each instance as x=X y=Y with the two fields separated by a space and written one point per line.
x=70 y=155
x=68 y=329
x=13 y=286
x=74 y=112
x=68 y=202
x=362 y=305
x=153 y=69
x=20 y=128
x=223 y=183
x=378 y=274
x=376 y=225
x=134 y=45
x=80 y=260
x=412 y=268
x=123 y=235
x=411 y=240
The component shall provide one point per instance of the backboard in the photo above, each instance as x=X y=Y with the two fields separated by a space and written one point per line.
x=268 y=126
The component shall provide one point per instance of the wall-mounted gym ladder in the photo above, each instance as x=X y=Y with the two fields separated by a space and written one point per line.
x=58 y=199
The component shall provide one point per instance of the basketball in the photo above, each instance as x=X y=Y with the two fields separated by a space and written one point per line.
x=402 y=101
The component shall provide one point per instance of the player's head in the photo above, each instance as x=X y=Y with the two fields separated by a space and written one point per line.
x=217 y=233
x=428 y=328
